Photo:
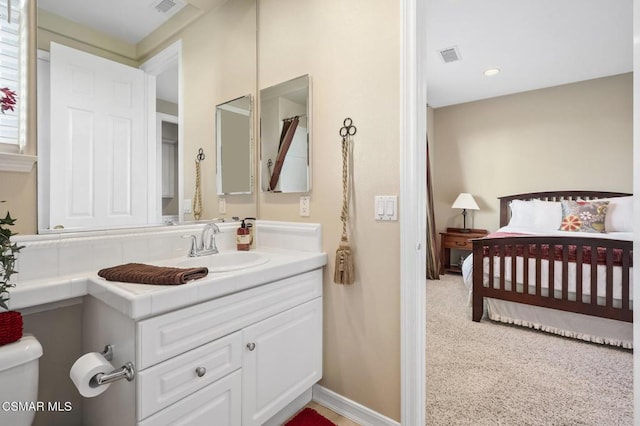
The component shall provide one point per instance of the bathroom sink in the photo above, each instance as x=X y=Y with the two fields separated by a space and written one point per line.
x=227 y=261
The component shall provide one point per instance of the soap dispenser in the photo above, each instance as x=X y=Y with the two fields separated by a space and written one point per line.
x=244 y=236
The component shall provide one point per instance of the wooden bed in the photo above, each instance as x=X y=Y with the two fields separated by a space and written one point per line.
x=584 y=253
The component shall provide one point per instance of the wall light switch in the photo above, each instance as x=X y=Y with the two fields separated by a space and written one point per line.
x=389 y=207
x=187 y=206
x=379 y=206
x=386 y=207
x=222 y=205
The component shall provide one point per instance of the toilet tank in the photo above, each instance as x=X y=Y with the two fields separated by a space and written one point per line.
x=19 y=380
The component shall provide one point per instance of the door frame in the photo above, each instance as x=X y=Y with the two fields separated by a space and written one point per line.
x=155 y=66
x=161 y=117
x=413 y=228
x=636 y=202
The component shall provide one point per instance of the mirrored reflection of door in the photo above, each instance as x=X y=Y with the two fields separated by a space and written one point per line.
x=97 y=154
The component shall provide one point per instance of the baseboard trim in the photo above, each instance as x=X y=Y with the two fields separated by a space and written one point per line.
x=350 y=409
x=288 y=411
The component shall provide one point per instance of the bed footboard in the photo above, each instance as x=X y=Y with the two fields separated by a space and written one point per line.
x=589 y=276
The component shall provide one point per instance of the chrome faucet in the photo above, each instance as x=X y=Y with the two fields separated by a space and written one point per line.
x=207 y=244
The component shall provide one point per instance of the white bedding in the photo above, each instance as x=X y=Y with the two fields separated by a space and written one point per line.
x=564 y=323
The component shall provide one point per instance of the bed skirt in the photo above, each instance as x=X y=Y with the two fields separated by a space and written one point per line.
x=568 y=324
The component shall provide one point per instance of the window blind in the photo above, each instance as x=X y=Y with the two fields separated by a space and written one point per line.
x=10 y=67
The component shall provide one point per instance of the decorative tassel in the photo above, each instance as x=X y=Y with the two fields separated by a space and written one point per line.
x=197 y=198
x=344 y=267
x=344 y=273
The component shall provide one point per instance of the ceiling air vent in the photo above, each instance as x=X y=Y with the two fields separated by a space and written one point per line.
x=450 y=54
x=164 y=6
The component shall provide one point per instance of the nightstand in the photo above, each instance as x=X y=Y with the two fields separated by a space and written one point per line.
x=457 y=240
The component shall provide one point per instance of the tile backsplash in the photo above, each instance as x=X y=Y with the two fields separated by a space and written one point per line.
x=45 y=257
x=48 y=256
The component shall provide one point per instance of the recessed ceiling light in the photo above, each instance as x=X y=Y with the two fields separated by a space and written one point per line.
x=492 y=71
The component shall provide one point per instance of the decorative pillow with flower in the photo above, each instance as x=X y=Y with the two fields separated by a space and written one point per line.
x=584 y=216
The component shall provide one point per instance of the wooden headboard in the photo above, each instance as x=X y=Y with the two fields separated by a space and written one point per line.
x=552 y=196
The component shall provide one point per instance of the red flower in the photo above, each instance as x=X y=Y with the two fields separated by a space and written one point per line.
x=571 y=223
x=8 y=101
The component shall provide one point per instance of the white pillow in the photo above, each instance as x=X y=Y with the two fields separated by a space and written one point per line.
x=536 y=214
x=522 y=213
x=548 y=215
x=619 y=216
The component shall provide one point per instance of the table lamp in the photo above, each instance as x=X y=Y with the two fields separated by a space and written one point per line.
x=465 y=201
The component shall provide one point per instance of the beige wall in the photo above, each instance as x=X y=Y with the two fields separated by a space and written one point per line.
x=351 y=52
x=19 y=192
x=575 y=136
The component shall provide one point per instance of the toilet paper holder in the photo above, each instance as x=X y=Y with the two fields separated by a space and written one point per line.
x=127 y=371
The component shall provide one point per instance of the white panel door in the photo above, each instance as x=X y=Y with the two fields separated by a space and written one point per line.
x=98 y=176
x=282 y=358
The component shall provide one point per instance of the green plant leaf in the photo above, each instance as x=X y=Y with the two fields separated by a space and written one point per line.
x=8 y=251
x=8 y=220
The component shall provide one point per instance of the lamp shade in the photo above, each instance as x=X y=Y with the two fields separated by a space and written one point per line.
x=465 y=201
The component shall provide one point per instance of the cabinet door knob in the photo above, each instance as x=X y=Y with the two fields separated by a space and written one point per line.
x=201 y=371
x=251 y=346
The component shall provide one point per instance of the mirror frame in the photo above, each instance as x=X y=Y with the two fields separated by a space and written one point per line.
x=276 y=91
x=219 y=142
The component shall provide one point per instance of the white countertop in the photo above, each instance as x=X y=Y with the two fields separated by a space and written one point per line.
x=139 y=301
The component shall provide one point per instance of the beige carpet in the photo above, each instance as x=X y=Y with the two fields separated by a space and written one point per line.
x=495 y=374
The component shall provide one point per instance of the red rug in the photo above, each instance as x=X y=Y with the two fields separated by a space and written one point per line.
x=309 y=417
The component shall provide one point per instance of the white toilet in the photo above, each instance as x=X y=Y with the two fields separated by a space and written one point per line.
x=19 y=381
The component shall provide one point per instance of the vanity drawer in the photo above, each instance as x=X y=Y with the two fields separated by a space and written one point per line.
x=171 y=334
x=219 y=404
x=172 y=380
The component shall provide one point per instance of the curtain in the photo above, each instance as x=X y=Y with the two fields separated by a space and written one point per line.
x=289 y=126
x=433 y=263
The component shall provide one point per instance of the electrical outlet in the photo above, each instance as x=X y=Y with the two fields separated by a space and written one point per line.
x=222 y=205
x=305 y=206
x=187 y=206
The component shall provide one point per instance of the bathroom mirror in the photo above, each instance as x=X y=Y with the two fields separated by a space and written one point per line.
x=234 y=146
x=134 y=34
x=103 y=141
x=285 y=119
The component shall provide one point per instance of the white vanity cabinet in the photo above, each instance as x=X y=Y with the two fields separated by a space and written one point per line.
x=236 y=360
x=282 y=359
